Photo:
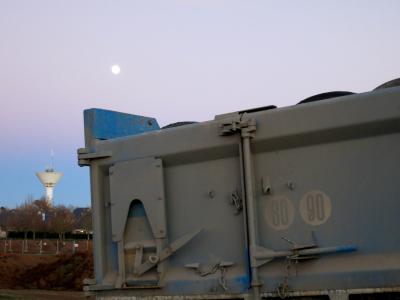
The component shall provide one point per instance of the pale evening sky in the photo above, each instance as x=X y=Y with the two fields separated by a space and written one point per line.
x=180 y=60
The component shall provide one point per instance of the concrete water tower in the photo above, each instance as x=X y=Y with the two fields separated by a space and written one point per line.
x=49 y=178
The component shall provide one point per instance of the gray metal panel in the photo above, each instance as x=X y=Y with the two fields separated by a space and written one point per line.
x=199 y=197
x=130 y=180
x=360 y=178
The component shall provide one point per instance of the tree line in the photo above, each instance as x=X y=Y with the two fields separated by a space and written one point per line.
x=35 y=216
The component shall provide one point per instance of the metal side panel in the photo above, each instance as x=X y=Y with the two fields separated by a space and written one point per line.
x=340 y=195
x=199 y=195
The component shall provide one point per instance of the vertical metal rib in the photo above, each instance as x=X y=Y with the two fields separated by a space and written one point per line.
x=250 y=208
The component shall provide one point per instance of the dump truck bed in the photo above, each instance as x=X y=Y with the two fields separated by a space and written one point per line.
x=294 y=201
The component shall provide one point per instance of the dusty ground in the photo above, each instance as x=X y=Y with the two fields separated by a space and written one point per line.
x=14 y=265
x=41 y=295
x=33 y=276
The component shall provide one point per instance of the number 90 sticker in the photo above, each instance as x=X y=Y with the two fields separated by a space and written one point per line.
x=279 y=212
x=315 y=207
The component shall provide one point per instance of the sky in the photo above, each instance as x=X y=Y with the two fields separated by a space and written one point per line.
x=180 y=60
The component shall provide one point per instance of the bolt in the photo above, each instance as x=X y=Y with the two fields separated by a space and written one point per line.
x=211 y=194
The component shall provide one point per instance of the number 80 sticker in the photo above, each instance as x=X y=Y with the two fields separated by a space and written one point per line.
x=315 y=207
x=279 y=212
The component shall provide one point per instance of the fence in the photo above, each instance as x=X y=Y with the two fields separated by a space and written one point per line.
x=44 y=246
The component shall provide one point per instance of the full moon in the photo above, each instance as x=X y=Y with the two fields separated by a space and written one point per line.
x=115 y=69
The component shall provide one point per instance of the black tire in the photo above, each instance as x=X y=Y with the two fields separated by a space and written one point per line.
x=389 y=84
x=178 y=124
x=325 y=96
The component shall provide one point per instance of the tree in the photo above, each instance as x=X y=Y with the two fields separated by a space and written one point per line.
x=85 y=221
x=26 y=218
x=3 y=217
x=44 y=212
x=61 y=220
x=42 y=204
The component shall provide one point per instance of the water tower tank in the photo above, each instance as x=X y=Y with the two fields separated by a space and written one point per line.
x=49 y=178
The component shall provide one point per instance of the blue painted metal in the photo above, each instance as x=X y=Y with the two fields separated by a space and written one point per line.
x=104 y=124
x=338 y=249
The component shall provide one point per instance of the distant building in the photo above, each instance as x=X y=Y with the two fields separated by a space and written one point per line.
x=3 y=234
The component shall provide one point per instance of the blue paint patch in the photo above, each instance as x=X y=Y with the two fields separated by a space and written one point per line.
x=113 y=256
x=243 y=282
x=345 y=249
x=248 y=267
x=106 y=124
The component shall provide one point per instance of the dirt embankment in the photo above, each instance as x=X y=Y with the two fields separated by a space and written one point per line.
x=50 y=272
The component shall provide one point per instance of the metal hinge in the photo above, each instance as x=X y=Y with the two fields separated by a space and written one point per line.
x=241 y=123
x=85 y=156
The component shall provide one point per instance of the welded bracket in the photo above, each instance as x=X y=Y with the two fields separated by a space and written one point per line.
x=240 y=123
x=85 y=156
x=154 y=259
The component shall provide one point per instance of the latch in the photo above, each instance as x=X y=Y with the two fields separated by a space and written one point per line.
x=237 y=202
x=85 y=156
x=205 y=270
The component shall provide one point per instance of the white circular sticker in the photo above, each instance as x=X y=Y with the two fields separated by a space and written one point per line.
x=315 y=207
x=279 y=212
